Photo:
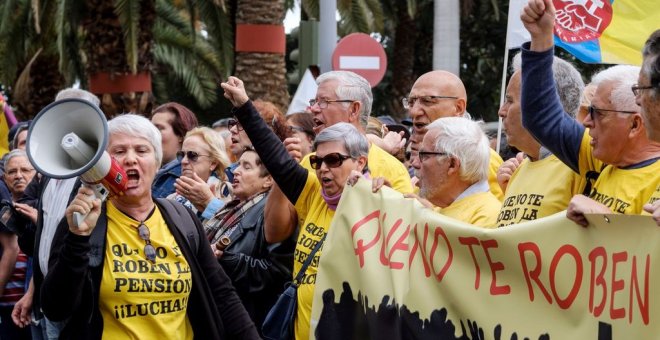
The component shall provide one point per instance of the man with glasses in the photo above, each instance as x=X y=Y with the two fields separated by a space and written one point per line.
x=438 y=94
x=452 y=165
x=614 y=139
x=342 y=96
x=536 y=183
x=647 y=96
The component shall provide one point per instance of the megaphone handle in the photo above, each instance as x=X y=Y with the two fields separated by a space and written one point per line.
x=100 y=192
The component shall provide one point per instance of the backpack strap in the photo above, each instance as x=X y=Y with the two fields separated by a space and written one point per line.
x=303 y=269
x=182 y=220
x=591 y=177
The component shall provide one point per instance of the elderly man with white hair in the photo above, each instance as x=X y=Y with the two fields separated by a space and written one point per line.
x=452 y=165
x=614 y=141
x=342 y=97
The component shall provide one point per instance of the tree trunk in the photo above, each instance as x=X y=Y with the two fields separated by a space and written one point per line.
x=403 y=60
x=264 y=73
x=106 y=54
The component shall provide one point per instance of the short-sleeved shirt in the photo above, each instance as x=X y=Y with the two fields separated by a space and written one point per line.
x=137 y=297
x=538 y=189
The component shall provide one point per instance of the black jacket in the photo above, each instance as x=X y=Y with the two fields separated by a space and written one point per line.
x=71 y=289
x=259 y=271
x=30 y=237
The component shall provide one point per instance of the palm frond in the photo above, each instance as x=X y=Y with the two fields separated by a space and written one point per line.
x=377 y=17
x=68 y=42
x=354 y=16
x=128 y=12
x=311 y=8
x=202 y=51
x=171 y=15
x=14 y=39
x=218 y=26
x=198 y=83
x=8 y=10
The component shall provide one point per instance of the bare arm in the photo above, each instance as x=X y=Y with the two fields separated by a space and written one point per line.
x=10 y=250
x=280 y=217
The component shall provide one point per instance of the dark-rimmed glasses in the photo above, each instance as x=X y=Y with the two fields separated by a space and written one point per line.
x=409 y=102
x=332 y=160
x=145 y=235
x=233 y=122
x=637 y=89
x=423 y=155
x=192 y=155
x=595 y=112
x=323 y=104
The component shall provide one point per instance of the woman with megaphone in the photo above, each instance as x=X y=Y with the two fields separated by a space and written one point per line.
x=136 y=267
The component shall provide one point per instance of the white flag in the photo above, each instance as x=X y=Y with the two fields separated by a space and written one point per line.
x=516 y=34
x=306 y=91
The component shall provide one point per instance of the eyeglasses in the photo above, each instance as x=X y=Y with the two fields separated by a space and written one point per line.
x=636 y=89
x=595 y=112
x=409 y=102
x=324 y=103
x=192 y=155
x=423 y=155
x=233 y=122
x=332 y=160
x=145 y=235
x=295 y=128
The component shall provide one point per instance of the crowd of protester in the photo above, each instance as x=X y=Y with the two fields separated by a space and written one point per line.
x=216 y=221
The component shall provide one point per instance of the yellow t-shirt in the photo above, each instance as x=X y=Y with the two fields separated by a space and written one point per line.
x=381 y=164
x=624 y=191
x=316 y=217
x=653 y=199
x=493 y=165
x=538 y=189
x=479 y=209
x=140 y=299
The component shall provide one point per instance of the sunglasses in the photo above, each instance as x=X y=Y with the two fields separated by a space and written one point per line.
x=332 y=160
x=233 y=122
x=145 y=234
x=595 y=112
x=192 y=155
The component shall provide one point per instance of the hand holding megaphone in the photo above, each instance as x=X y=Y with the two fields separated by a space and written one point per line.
x=68 y=139
x=83 y=212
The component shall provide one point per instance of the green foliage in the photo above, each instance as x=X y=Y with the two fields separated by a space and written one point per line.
x=128 y=12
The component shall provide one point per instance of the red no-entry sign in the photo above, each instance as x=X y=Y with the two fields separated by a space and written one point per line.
x=362 y=54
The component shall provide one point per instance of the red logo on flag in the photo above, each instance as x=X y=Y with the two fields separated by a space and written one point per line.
x=581 y=20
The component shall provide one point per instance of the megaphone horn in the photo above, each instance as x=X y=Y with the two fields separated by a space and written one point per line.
x=68 y=139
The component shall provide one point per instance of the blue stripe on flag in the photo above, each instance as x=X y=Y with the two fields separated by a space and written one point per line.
x=588 y=51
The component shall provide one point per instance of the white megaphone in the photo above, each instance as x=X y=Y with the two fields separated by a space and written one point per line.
x=68 y=139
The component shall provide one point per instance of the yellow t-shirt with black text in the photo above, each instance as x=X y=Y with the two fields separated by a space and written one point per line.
x=539 y=189
x=479 y=209
x=140 y=299
x=623 y=190
x=316 y=217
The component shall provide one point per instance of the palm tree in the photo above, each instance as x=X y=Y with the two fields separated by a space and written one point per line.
x=27 y=55
x=263 y=72
x=153 y=37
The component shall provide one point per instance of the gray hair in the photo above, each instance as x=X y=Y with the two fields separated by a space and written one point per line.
x=568 y=82
x=79 y=94
x=351 y=86
x=464 y=139
x=651 y=64
x=134 y=125
x=355 y=143
x=622 y=78
x=14 y=153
